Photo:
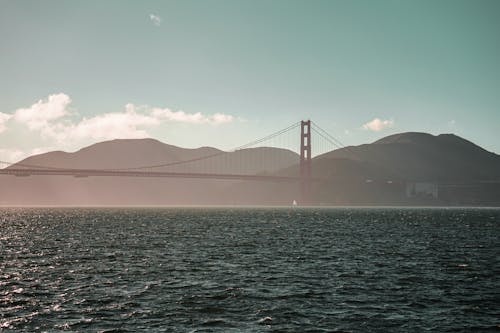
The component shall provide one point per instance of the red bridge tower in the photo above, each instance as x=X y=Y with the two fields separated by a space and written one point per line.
x=305 y=162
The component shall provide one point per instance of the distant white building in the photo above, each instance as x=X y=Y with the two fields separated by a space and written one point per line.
x=422 y=190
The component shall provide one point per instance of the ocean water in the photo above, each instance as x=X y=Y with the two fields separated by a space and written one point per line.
x=249 y=270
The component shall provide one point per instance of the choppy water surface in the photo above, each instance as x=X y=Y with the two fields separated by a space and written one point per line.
x=223 y=270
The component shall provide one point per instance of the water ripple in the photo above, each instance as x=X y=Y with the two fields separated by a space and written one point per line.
x=249 y=270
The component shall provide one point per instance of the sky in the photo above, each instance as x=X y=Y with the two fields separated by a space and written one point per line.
x=223 y=73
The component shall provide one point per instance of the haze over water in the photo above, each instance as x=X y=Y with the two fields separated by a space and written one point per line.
x=249 y=270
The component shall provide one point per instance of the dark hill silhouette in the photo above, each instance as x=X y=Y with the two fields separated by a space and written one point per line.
x=368 y=174
x=424 y=157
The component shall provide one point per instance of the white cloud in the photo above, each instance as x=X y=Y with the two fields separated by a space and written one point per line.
x=40 y=114
x=4 y=118
x=177 y=116
x=377 y=125
x=52 y=124
x=192 y=118
x=117 y=125
x=49 y=118
x=220 y=118
x=155 y=19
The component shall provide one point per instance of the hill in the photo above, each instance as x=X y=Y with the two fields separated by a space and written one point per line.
x=425 y=157
x=133 y=153
x=401 y=169
x=411 y=168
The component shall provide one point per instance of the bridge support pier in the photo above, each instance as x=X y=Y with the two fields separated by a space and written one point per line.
x=305 y=162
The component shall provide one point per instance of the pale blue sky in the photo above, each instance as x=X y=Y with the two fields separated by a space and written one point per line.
x=431 y=66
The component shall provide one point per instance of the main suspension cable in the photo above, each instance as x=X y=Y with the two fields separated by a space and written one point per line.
x=250 y=144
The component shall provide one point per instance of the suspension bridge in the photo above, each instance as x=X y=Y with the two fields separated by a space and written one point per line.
x=223 y=165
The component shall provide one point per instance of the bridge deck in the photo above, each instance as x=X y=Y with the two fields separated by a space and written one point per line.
x=130 y=173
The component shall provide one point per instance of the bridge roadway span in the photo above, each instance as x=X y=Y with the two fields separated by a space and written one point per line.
x=24 y=172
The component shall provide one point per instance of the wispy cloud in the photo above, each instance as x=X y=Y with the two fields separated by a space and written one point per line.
x=378 y=125
x=193 y=118
x=155 y=19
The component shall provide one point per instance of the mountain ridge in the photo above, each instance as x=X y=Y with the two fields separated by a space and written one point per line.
x=392 y=162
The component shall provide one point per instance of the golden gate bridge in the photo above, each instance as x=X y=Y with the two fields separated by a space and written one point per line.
x=303 y=178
